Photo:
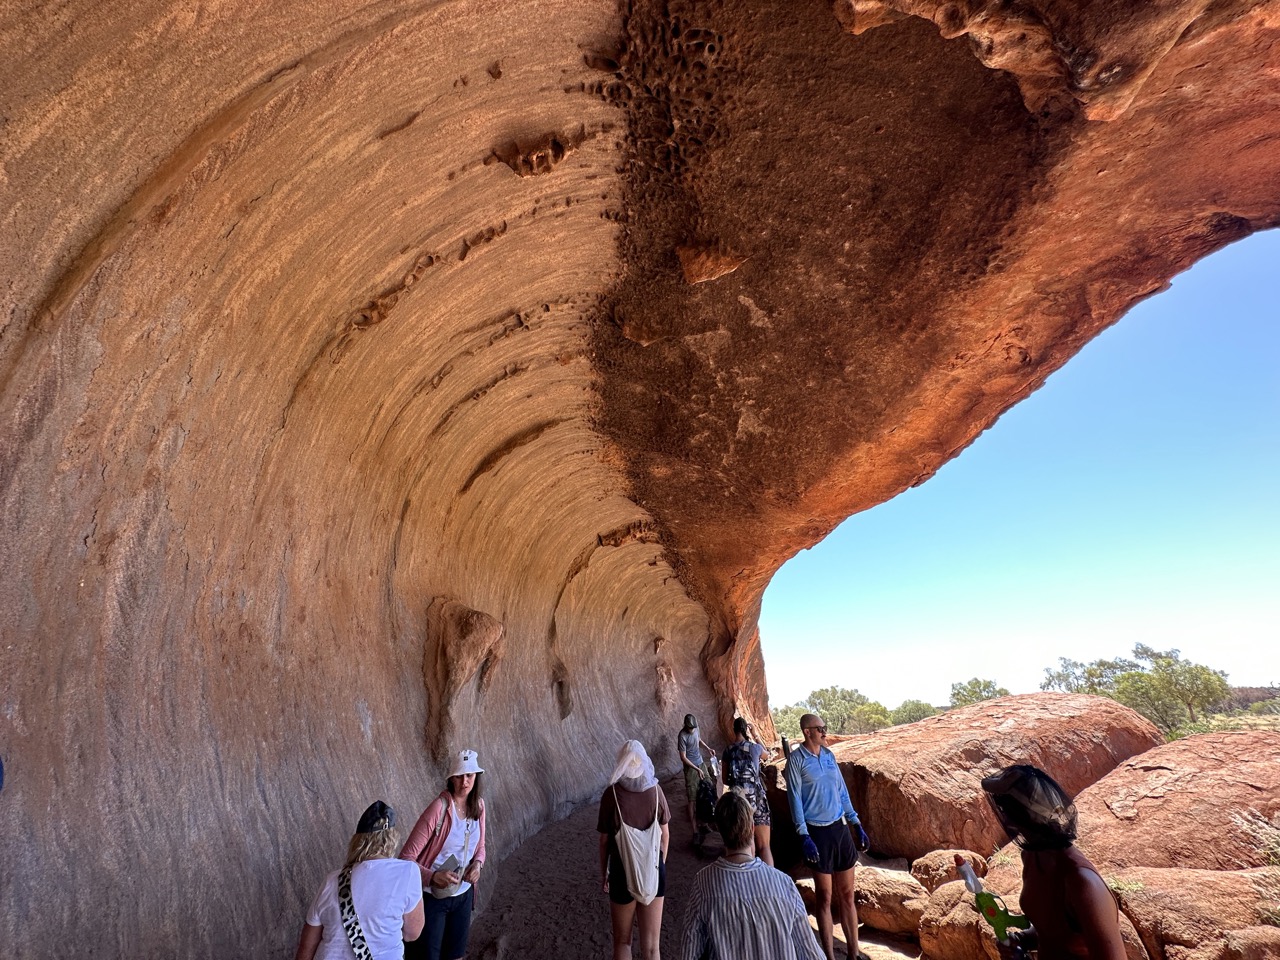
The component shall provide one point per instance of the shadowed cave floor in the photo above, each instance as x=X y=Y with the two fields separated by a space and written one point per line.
x=546 y=900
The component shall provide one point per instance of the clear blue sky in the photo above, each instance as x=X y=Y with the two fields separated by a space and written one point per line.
x=1132 y=499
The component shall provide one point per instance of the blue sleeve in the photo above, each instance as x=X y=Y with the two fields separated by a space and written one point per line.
x=849 y=812
x=793 y=795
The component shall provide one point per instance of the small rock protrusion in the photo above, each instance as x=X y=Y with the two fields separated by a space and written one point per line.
x=531 y=159
x=701 y=264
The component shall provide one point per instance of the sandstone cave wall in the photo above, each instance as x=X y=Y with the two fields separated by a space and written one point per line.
x=355 y=403
x=295 y=377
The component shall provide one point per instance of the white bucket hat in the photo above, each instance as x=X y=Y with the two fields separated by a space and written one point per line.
x=466 y=763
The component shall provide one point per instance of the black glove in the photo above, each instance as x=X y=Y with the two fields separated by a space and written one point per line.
x=860 y=838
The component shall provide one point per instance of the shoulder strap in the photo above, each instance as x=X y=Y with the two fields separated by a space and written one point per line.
x=351 y=922
x=444 y=808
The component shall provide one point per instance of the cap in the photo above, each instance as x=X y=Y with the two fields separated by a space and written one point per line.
x=378 y=816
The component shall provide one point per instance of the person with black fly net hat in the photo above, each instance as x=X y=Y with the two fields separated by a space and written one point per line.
x=1072 y=912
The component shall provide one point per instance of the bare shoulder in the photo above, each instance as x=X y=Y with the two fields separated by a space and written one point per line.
x=1085 y=886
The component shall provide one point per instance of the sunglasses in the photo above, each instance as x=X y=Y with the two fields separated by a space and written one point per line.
x=819 y=729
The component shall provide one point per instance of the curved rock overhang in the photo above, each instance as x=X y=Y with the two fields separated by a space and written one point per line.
x=382 y=379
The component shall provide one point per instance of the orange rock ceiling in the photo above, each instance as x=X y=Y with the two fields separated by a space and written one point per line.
x=356 y=404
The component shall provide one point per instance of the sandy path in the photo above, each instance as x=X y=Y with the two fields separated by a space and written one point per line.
x=546 y=901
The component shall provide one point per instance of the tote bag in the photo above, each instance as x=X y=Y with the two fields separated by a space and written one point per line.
x=640 y=852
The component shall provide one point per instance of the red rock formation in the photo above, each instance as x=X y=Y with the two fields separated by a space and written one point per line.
x=315 y=313
x=892 y=901
x=1187 y=835
x=938 y=867
x=1193 y=913
x=951 y=928
x=917 y=786
x=1207 y=802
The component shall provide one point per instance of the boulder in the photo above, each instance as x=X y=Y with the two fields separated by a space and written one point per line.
x=1210 y=802
x=1202 y=914
x=952 y=929
x=939 y=866
x=892 y=901
x=917 y=787
x=1252 y=943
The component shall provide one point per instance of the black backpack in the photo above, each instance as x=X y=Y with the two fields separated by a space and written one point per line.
x=705 y=804
x=739 y=770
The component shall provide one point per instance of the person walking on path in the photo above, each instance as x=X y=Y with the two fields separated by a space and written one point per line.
x=372 y=905
x=829 y=829
x=447 y=844
x=690 y=746
x=1073 y=913
x=634 y=837
x=741 y=765
x=740 y=907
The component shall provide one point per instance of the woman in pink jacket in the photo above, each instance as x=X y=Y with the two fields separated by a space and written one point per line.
x=447 y=844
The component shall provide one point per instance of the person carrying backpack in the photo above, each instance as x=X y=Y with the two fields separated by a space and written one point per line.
x=741 y=764
x=689 y=744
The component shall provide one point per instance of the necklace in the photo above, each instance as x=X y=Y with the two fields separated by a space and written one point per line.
x=748 y=857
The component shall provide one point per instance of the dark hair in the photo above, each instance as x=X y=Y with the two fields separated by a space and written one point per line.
x=740 y=726
x=1031 y=806
x=474 y=805
x=735 y=819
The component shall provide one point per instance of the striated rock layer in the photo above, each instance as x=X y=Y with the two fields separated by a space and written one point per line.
x=357 y=401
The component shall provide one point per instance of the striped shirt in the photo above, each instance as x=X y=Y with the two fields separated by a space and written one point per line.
x=746 y=911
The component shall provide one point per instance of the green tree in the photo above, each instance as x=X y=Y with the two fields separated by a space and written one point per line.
x=836 y=706
x=868 y=718
x=786 y=720
x=843 y=711
x=1098 y=678
x=1193 y=685
x=975 y=691
x=1142 y=691
x=909 y=711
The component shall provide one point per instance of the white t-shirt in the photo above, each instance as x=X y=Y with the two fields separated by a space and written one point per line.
x=463 y=838
x=383 y=891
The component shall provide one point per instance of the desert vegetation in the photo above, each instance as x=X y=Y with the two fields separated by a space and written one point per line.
x=1177 y=695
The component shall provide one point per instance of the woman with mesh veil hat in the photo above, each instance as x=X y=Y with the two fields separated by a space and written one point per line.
x=634 y=838
x=1072 y=912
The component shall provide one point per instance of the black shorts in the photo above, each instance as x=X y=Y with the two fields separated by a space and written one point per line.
x=618 y=892
x=836 y=852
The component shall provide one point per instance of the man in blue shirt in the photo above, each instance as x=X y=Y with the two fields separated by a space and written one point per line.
x=829 y=828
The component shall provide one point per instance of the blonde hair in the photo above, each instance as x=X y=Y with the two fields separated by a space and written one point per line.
x=379 y=845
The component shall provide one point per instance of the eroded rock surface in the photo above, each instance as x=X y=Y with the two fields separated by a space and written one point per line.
x=917 y=787
x=939 y=866
x=1208 y=802
x=892 y=901
x=326 y=324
